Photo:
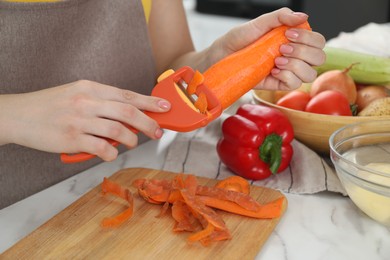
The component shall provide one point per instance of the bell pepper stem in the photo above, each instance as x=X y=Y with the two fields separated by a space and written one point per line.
x=271 y=151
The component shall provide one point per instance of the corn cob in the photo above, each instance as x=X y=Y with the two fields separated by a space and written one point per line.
x=369 y=69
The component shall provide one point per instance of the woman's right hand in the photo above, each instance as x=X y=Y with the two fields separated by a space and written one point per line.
x=73 y=118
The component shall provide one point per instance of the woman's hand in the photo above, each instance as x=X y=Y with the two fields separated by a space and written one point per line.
x=298 y=56
x=72 y=118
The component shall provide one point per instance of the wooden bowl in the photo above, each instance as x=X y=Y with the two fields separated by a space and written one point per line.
x=311 y=129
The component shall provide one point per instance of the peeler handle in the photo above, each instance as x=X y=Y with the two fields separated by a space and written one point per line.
x=81 y=157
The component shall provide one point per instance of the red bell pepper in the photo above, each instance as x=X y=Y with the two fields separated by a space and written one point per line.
x=256 y=142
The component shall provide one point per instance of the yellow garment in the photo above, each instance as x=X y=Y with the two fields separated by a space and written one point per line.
x=147 y=7
x=34 y=1
x=147 y=4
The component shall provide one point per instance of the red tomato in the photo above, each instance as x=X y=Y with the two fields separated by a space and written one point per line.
x=329 y=102
x=295 y=99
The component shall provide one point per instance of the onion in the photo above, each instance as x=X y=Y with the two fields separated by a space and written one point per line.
x=338 y=80
x=367 y=94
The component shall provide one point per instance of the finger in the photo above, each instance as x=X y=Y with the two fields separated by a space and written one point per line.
x=254 y=29
x=93 y=107
x=111 y=129
x=272 y=83
x=269 y=83
x=130 y=115
x=306 y=37
x=299 y=68
x=288 y=80
x=310 y=55
x=143 y=102
x=283 y=16
x=97 y=146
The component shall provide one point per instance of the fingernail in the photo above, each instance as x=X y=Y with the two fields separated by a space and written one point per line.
x=164 y=104
x=281 y=61
x=275 y=71
x=300 y=14
x=287 y=49
x=292 y=34
x=158 y=133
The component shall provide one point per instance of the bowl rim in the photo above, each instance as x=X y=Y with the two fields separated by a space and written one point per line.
x=323 y=116
x=360 y=167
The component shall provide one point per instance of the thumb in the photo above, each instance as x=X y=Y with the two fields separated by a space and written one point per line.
x=249 y=32
x=284 y=16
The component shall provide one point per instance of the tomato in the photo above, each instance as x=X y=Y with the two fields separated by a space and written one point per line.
x=295 y=99
x=329 y=102
x=338 y=80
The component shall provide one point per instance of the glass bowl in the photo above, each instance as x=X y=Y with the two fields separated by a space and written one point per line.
x=360 y=153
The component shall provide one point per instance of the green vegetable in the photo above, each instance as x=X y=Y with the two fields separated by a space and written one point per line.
x=369 y=69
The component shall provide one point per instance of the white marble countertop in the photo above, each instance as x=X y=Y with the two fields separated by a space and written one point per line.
x=320 y=226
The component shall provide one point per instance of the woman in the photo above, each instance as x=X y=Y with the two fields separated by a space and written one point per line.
x=74 y=71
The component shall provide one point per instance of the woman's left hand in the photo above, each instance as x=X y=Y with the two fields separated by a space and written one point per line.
x=298 y=56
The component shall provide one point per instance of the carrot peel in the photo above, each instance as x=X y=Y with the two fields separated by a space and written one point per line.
x=203 y=234
x=109 y=186
x=196 y=80
x=193 y=205
x=201 y=103
x=110 y=222
x=266 y=211
x=234 y=183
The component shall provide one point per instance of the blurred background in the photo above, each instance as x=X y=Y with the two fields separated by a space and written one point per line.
x=329 y=17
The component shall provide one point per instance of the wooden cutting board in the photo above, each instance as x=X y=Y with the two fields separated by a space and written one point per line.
x=76 y=232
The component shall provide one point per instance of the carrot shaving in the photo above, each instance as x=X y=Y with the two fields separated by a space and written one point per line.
x=196 y=80
x=178 y=181
x=154 y=191
x=242 y=199
x=267 y=211
x=111 y=222
x=198 y=208
x=191 y=184
x=234 y=183
x=109 y=186
x=174 y=196
x=163 y=210
x=145 y=196
x=138 y=183
x=193 y=205
x=201 y=103
x=202 y=234
x=185 y=221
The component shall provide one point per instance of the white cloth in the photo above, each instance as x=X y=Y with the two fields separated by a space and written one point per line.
x=195 y=153
x=371 y=38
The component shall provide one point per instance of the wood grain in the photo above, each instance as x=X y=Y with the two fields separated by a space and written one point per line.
x=75 y=233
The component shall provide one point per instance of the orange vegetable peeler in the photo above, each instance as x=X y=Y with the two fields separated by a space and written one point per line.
x=184 y=116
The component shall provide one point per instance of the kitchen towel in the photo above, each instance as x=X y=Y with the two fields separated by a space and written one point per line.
x=195 y=153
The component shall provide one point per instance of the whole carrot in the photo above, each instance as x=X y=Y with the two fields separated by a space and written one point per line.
x=233 y=76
